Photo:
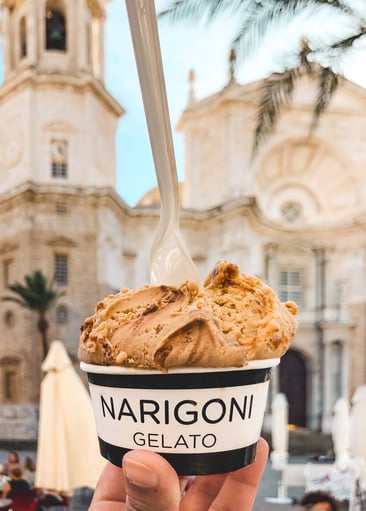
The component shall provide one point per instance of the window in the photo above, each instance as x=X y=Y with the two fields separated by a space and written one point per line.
x=9 y=383
x=61 y=314
x=7 y=264
x=61 y=208
x=23 y=37
x=290 y=288
x=55 y=25
x=61 y=269
x=9 y=318
x=59 y=158
x=9 y=370
x=291 y=211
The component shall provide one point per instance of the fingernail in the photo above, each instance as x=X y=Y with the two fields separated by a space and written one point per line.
x=139 y=474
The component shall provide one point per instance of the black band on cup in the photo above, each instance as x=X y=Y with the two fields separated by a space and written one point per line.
x=207 y=380
x=192 y=464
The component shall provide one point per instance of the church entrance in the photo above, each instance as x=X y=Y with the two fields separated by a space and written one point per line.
x=292 y=381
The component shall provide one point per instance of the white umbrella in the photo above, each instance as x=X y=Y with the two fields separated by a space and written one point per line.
x=280 y=444
x=340 y=433
x=280 y=433
x=68 y=454
x=357 y=442
x=358 y=423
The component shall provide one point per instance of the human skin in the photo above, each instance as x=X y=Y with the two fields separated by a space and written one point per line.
x=148 y=483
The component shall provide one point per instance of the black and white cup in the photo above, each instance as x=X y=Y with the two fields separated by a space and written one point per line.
x=203 y=421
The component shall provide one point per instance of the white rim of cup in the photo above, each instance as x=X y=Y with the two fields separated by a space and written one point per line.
x=252 y=364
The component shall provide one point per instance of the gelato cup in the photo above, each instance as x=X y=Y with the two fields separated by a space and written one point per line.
x=202 y=420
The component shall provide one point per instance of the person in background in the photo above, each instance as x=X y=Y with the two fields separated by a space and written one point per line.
x=13 y=460
x=29 y=470
x=16 y=481
x=319 y=501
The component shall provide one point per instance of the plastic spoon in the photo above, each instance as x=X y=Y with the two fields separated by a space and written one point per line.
x=170 y=262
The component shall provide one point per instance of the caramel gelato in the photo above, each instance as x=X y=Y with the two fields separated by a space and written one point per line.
x=235 y=318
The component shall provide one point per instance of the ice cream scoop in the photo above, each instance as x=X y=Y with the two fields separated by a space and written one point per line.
x=235 y=318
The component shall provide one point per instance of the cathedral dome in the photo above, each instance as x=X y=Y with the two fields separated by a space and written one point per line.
x=152 y=197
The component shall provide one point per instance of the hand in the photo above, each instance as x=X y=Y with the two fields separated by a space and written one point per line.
x=148 y=483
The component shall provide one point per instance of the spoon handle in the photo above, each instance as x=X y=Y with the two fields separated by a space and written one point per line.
x=145 y=38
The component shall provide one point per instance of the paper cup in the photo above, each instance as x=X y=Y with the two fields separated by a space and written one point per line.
x=203 y=421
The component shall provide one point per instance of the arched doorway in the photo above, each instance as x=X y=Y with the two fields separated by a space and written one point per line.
x=292 y=381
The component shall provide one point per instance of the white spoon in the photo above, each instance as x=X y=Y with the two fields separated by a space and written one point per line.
x=170 y=263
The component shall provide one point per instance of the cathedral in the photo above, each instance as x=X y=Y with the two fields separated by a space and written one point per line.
x=295 y=216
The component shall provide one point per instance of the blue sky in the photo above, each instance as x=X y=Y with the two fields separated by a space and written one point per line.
x=184 y=47
x=205 y=49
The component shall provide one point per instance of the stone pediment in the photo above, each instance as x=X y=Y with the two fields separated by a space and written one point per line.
x=233 y=92
x=61 y=241
x=59 y=126
x=290 y=246
x=349 y=96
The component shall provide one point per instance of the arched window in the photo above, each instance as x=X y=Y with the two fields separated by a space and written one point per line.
x=23 y=37
x=61 y=314
x=55 y=25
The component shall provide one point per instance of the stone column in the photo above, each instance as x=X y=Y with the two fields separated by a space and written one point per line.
x=81 y=36
x=32 y=33
x=6 y=42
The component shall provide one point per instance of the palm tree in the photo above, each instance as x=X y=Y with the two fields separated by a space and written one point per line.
x=316 y=53
x=38 y=295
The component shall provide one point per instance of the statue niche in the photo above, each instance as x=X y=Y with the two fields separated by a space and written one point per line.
x=55 y=21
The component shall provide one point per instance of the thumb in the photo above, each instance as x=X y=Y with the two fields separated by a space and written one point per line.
x=151 y=483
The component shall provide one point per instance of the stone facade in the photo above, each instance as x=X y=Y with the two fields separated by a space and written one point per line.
x=294 y=216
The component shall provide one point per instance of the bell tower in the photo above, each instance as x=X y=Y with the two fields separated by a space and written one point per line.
x=58 y=120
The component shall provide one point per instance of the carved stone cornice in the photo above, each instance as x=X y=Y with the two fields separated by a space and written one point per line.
x=35 y=78
x=7 y=247
x=96 y=8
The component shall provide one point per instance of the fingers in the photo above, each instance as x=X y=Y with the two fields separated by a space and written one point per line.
x=151 y=483
x=110 y=492
x=148 y=483
x=202 y=493
x=228 y=492
x=240 y=487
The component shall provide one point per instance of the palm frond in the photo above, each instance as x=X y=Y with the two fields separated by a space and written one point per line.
x=197 y=10
x=257 y=18
x=347 y=42
x=13 y=299
x=36 y=293
x=277 y=92
x=328 y=82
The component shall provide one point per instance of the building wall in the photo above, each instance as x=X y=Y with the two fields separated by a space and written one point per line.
x=296 y=211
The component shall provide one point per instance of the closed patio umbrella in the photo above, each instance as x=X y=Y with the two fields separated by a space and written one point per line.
x=280 y=444
x=357 y=442
x=68 y=454
x=280 y=434
x=358 y=423
x=340 y=433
